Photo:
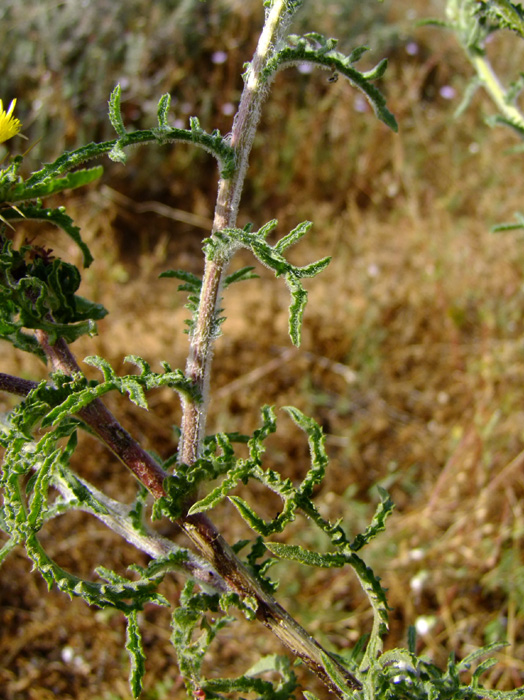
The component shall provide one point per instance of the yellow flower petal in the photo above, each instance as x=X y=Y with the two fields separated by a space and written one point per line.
x=9 y=125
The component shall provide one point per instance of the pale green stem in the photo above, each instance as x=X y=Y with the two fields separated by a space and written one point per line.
x=495 y=89
x=198 y=365
x=117 y=517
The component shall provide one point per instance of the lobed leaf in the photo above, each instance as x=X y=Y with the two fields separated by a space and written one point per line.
x=503 y=14
x=245 y=273
x=222 y=243
x=378 y=524
x=40 y=293
x=293 y=236
x=51 y=185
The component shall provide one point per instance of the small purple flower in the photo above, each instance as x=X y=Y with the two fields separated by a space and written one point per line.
x=447 y=92
x=228 y=108
x=219 y=57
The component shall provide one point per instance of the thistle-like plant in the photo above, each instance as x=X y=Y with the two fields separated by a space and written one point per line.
x=41 y=313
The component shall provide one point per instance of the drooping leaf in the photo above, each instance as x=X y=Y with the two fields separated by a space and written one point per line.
x=315 y=49
x=58 y=217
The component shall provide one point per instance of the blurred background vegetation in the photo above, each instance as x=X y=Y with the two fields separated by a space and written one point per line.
x=412 y=360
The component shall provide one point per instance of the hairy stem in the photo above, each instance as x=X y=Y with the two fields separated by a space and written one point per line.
x=117 y=518
x=198 y=365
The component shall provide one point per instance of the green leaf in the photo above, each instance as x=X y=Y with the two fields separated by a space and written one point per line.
x=377 y=597
x=163 y=110
x=245 y=273
x=272 y=662
x=222 y=243
x=296 y=311
x=294 y=552
x=117 y=153
x=193 y=285
x=52 y=185
x=7 y=548
x=186 y=620
x=136 y=654
x=254 y=521
x=58 y=217
x=510 y=227
x=81 y=492
x=121 y=594
x=316 y=49
x=468 y=660
x=293 y=237
x=248 y=683
x=504 y=14
x=378 y=524
x=115 y=113
x=344 y=681
x=40 y=293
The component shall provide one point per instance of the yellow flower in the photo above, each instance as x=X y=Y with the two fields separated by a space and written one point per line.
x=9 y=125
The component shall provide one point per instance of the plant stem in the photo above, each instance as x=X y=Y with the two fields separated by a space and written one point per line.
x=198 y=365
x=117 y=517
x=495 y=89
x=463 y=17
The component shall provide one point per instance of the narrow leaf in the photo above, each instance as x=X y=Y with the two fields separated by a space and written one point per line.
x=296 y=311
x=343 y=679
x=254 y=521
x=115 y=113
x=294 y=552
x=136 y=654
x=293 y=237
x=163 y=110
x=378 y=524
x=245 y=273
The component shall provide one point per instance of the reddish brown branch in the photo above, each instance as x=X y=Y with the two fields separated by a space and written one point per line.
x=16 y=385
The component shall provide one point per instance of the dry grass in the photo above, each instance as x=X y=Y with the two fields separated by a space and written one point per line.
x=412 y=361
